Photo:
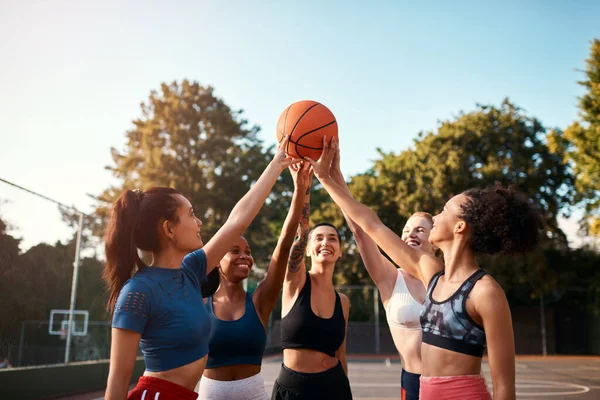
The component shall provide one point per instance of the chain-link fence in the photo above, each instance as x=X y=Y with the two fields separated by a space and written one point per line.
x=37 y=347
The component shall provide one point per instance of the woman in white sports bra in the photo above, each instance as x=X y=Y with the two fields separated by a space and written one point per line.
x=402 y=294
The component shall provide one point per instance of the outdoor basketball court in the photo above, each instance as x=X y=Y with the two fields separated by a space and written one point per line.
x=553 y=378
x=537 y=378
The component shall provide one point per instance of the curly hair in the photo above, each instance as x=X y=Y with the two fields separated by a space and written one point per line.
x=501 y=220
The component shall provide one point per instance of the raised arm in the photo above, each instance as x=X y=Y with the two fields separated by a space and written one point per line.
x=295 y=274
x=268 y=290
x=382 y=271
x=415 y=262
x=246 y=209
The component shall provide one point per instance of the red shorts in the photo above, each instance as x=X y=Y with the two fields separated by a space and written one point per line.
x=150 y=388
x=464 y=387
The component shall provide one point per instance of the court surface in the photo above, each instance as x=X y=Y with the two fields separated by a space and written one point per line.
x=537 y=378
x=372 y=378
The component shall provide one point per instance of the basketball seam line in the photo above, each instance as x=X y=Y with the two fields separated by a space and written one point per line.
x=305 y=146
x=298 y=121
x=309 y=132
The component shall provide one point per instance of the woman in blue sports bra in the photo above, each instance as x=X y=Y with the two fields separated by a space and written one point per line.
x=465 y=310
x=401 y=293
x=239 y=319
x=159 y=307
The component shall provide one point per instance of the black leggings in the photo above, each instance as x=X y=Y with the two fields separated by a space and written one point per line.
x=327 y=385
x=410 y=385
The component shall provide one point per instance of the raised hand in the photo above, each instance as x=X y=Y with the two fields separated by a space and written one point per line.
x=336 y=170
x=281 y=159
x=302 y=175
x=322 y=167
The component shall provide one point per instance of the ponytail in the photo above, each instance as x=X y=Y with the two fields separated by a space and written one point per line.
x=120 y=247
x=132 y=226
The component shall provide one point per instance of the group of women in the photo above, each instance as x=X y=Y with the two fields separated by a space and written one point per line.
x=443 y=316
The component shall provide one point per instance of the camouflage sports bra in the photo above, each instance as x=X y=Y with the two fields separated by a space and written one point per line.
x=447 y=324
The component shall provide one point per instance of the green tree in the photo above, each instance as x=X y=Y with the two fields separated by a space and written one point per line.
x=473 y=150
x=38 y=280
x=580 y=143
x=189 y=139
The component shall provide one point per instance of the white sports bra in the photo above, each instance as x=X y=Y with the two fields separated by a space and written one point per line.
x=403 y=311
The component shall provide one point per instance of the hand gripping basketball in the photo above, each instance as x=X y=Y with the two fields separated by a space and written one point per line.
x=322 y=167
x=281 y=159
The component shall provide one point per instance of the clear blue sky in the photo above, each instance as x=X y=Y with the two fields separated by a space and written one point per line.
x=72 y=75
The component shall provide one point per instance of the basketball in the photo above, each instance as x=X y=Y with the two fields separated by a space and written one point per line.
x=306 y=122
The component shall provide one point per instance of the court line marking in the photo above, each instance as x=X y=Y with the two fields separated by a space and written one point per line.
x=538 y=384
x=521 y=384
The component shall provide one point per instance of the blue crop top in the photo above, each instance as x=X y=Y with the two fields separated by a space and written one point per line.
x=165 y=306
x=448 y=325
x=236 y=342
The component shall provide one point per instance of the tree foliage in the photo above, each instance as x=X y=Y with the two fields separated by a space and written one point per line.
x=579 y=145
x=189 y=139
x=473 y=150
x=39 y=280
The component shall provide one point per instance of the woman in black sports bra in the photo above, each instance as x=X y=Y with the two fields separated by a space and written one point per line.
x=465 y=309
x=314 y=319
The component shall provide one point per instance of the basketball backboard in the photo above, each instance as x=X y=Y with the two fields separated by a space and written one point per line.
x=59 y=322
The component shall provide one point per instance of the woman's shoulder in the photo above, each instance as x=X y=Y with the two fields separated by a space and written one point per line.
x=486 y=289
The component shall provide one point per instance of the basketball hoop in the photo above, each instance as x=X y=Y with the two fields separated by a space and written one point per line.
x=63 y=334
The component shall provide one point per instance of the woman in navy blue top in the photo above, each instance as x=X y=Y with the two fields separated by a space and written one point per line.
x=239 y=319
x=465 y=309
x=160 y=307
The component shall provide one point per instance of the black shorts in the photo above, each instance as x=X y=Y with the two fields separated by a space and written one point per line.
x=327 y=385
x=410 y=385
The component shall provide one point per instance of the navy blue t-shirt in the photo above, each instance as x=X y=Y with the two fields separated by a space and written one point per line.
x=165 y=306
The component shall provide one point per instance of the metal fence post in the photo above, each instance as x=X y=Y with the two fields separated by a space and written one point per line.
x=543 y=323
x=21 y=344
x=73 y=289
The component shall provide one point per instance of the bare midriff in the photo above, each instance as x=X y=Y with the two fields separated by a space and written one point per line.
x=442 y=362
x=232 y=372
x=308 y=361
x=186 y=376
x=408 y=344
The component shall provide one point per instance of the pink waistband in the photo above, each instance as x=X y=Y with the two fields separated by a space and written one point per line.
x=464 y=387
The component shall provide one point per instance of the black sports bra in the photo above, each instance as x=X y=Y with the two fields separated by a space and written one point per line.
x=302 y=329
x=447 y=324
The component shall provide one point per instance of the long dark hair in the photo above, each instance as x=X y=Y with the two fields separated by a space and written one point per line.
x=133 y=225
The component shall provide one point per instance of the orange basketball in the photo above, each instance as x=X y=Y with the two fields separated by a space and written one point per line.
x=306 y=122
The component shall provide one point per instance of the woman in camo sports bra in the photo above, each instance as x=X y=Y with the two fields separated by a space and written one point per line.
x=459 y=293
x=401 y=293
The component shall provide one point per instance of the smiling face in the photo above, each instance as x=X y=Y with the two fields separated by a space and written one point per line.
x=416 y=233
x=324 y=244
x=236 y=264
x=448 y=223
